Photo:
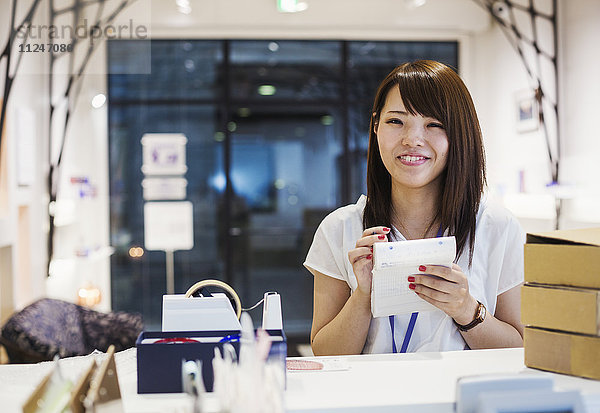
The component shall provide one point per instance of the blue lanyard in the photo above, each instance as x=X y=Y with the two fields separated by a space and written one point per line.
x=409 y=331
x=411 y=323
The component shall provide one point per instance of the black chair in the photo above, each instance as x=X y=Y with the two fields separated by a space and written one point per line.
x=49 y=327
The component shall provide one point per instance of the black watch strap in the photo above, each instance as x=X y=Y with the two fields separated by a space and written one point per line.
x=479 y=317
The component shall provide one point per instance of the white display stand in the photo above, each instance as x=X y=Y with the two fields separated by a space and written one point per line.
x=168 y=227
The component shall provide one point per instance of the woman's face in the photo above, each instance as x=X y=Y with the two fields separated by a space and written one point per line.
x=414 y=149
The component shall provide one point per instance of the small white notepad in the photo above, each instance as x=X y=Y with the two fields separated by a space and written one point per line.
x=394 y=262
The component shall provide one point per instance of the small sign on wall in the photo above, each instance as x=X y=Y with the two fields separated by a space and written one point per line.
x=168 y=226
x=164 y=154
x=155 y=189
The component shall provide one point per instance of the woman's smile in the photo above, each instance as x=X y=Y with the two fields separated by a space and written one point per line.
x=412 y=159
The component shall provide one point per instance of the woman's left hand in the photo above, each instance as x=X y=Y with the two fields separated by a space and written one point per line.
x=448 y=291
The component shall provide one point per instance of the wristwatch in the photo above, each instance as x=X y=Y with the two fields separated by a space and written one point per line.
x=479 y=317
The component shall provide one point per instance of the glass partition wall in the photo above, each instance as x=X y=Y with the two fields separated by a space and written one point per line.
x=277 y=135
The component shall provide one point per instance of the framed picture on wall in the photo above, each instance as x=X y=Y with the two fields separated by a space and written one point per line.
x=527 y=111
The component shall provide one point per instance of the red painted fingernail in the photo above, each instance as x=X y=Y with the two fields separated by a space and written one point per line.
x=381 y=237
x=369 y=256
x=422 y=268
x=411 y=279
x=411 y=286
x=386 y=229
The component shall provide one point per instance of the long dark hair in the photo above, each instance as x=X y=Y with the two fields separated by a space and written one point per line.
x=433 y=89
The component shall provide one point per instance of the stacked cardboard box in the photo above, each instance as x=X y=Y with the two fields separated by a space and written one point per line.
x=560 y=302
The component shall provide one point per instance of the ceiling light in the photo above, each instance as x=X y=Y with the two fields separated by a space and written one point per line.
x=98 y=101
x=327 y=120
x=183 y=6
x=301 y=6
x=279 y=183
x=266 y=90
x=244 y=112
x=291 y=6
x=413 y=4
x=189 y=65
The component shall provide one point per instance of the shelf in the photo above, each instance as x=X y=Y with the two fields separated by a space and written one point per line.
x=531 y=206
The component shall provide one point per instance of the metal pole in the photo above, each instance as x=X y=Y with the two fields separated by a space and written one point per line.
x=170 y=272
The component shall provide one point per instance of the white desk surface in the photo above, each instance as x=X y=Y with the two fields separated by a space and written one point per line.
x=414 y=382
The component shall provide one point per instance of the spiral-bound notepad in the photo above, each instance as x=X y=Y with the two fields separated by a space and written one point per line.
x=394 y=262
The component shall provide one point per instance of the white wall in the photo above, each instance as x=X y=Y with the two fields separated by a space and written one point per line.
x=82 y=224
x=580 y=106
x=509 y=152
x=512 y=156
x=498 y=76
x=23 y=225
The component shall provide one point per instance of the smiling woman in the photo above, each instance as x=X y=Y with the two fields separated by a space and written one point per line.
x=425 y=179
x=434 y=96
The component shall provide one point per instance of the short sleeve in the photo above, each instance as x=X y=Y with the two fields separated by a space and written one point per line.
x=326 y=251
x=512 y=273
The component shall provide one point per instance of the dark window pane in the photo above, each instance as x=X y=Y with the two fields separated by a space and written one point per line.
x=359 y=116
x=299 y=70
x=370 y=62
x=179 y=70
x=128 y=123
x=285 y=178
x=290 y=163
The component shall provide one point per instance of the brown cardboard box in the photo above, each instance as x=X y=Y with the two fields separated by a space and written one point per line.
x=573 y=354
x=561 y=308
x=565 y=257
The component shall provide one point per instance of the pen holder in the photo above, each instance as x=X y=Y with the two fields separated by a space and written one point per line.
x=159 y=356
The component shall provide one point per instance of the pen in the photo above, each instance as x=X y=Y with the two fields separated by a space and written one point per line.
x=230 y=338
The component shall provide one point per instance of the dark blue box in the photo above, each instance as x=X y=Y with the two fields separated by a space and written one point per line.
x=159 y=364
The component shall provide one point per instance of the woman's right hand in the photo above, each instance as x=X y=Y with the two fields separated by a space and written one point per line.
x=361 y=257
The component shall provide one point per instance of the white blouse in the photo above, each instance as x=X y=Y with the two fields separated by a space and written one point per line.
x=497 y=267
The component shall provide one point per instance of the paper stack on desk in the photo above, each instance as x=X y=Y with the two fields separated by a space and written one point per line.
x=394 y=262
x=560 y=302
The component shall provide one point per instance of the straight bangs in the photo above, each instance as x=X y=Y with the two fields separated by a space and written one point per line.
x=421 y=93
